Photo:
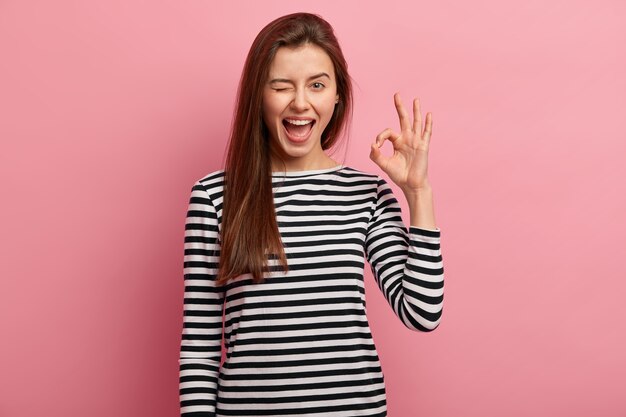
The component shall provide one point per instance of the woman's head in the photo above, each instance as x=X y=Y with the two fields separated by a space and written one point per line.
x=293 y=33
x=299 y=101
x=291 y=48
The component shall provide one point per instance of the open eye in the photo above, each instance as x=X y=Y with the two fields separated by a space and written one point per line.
x=318 y=85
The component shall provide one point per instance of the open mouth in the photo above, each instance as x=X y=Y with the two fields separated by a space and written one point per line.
x=298 y=128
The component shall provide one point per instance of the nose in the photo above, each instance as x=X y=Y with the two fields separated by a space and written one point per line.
x=300 y=101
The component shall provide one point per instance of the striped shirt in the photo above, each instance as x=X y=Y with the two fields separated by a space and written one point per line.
x=299 y=344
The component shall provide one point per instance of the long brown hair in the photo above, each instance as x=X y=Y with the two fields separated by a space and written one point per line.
x=249 y=229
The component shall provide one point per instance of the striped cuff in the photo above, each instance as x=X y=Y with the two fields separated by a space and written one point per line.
x=425 y=232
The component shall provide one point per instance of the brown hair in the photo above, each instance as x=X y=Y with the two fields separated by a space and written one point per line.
x=249 y=229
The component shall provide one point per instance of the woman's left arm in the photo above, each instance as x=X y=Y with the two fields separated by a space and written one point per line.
x=408 y=166
x=407 y=264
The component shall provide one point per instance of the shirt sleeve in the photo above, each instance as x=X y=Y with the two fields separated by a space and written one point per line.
x=201 y=341
x=407 y=265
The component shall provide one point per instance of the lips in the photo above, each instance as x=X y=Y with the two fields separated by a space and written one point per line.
x=298 y=129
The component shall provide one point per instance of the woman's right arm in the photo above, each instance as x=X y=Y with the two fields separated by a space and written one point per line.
x=201 y=342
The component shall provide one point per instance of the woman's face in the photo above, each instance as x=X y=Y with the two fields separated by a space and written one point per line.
x=299 y=98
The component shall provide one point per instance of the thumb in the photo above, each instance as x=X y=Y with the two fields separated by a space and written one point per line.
x=377 y=156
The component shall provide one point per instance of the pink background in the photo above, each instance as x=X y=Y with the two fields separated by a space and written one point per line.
x=109 y=111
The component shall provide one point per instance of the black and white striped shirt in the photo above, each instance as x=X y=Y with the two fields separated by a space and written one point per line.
x=299 y=344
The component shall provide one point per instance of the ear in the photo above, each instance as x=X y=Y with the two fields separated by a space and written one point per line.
x=337 y=98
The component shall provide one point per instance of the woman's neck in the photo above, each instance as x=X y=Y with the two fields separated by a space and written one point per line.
x=282 y=166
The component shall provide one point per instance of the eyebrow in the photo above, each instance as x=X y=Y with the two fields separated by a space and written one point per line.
x=284 y=80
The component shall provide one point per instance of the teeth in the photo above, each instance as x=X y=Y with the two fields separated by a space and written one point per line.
x=299 y=122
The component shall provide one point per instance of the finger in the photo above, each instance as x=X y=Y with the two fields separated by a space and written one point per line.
x=429 y=127
x=387 y=134
x=417 y=117
x=405 y=123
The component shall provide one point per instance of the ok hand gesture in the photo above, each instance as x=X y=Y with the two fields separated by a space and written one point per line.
x=408 y=165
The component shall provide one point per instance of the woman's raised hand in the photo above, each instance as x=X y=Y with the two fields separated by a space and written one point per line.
x=408 y=165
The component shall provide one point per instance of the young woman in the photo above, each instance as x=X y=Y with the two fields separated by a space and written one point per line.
x=275 y=243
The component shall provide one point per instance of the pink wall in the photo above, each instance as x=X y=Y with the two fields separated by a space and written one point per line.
x=109 y=111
